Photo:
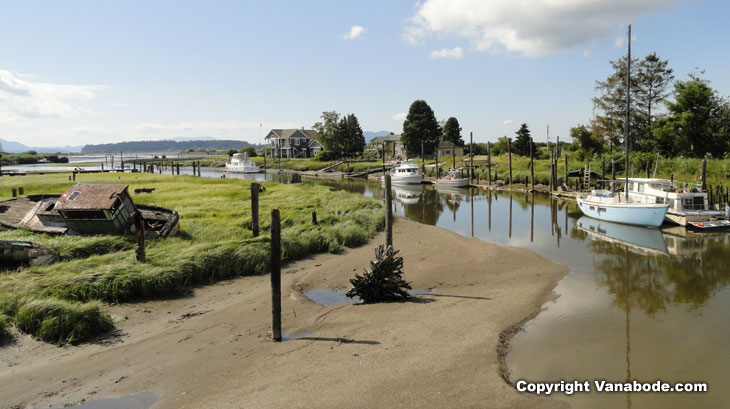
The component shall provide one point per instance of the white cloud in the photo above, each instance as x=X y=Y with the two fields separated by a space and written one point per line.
x=621 y=40
x=22 y=100
x=530 y=27
x=506 y=122
x=355 y=32
x=456 y=52
x=400 y=116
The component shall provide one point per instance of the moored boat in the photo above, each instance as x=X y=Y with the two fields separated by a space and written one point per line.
x=240 y=163
x=605 y=205
x=407 y=173
x=453 y=179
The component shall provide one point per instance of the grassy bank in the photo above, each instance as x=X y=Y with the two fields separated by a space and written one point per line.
x=59 y=303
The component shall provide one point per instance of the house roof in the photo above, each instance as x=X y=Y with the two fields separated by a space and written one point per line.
x=447 y=144
x=91 y=196
x=387 y=138
x=288 y=133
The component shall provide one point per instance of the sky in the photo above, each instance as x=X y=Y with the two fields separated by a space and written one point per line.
x=84 y=72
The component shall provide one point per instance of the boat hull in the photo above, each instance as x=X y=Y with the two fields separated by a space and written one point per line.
x=649 y=215
x=242 y=169
x=407 y=179
x=459 y=182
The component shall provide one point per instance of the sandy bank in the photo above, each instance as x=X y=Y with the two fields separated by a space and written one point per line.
x=210 y=350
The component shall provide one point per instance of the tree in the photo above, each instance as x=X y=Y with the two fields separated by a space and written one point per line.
x=250 y=150
x=698 y=124
x=326 y=129
x=652 y=84
x=611 y=102
x=349 y=136
x=420 y=127
x=231 y=152
x=587 y=142
x=452 y=132
x=523 y=141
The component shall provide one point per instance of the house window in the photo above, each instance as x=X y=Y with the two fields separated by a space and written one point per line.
x=296 y=142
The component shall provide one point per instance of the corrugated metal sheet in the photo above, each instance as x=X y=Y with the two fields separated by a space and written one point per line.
x=91 y=196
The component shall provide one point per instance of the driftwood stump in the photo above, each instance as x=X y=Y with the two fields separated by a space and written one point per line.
x=383 y=280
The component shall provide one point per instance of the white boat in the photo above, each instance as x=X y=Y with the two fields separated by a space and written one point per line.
x=452 y=179
x=688 y=204
x=407 y=173
x=407 y=194
x=240 y=163
x=605 y=205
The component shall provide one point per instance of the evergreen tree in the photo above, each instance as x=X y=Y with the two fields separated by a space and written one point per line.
x=653 y=82
x=452 y=132
x=521 y=146
x=326 y=130
x=420 y=127
x=611 y=103
x=350 y=136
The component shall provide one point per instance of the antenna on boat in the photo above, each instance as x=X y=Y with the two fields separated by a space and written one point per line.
x=628 y=114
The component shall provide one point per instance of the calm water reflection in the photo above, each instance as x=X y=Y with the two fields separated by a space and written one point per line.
x=638 y=303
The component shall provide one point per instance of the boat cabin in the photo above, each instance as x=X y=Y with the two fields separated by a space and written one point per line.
x=405 y=169
x=681 y=197
x=95 y=208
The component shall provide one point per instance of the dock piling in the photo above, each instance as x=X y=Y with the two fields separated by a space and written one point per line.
x=275 y=275
x=15 y=192
x=21 y=191
x=140 y=252
x=314 y=217
x=388 y=213
x=255 y=209
x=489 y=165
x=509 y=151
x=704 y=174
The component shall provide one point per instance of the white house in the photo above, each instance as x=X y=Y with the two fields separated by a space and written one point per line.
x=292 y=143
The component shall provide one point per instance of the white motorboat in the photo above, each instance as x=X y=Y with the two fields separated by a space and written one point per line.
x=688 y=204
x=407 y=173
x=240 y=163
x=605 y=205
x=452 y=179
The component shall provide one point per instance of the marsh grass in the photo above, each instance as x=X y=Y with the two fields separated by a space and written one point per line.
x=214 y=243
x=3 y=326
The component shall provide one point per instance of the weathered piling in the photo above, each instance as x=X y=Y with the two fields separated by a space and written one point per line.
x=532 y=167
x=565 y=178
x=15 y=192
x=704 y=174
x=509 y=151
x=275 y=275
x=199 y=170
x=471 y=155
x=314 y=217
x=255 y=209
x=603 y=172
x=140 y=251
x=489 y=164
x=388 y=213
x=21 y=191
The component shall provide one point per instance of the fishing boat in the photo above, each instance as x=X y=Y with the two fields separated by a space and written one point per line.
x=453 y=179
x=407 y=173
x=688 y=204
x=605 y=205
x=240 y=163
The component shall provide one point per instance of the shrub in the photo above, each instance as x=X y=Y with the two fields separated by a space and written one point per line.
x=62 y=322
x=325 y=156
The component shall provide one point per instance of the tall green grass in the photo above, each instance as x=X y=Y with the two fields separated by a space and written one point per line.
x=214 y=243
x=3 y=326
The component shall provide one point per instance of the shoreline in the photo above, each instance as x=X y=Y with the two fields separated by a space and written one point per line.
x=445 y=348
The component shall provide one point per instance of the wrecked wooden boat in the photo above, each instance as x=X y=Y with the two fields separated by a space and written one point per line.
x=24 y=253
x=87 y=208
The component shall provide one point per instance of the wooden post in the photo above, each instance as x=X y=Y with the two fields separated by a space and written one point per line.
x=471 y=155
x=438 y=170
x=603 y=172
x=565 y=178
x=509 y=151
x=255 y=209
x=15 y=192
x=423 y=160
x=178 y=168
x=275 y=275
x=74 y=176
x=141 y=253
x=21 y=191
x=489 y=165
x=532 y=167
x=704 y=174
x=314 y=217
x=388 y=213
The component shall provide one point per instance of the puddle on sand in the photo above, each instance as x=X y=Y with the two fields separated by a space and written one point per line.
x=142 y=400
x=338 y=297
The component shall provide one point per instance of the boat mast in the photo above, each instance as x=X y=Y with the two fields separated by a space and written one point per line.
x=628 y=114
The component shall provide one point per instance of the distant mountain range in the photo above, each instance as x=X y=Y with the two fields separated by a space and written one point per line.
x=369 y=135
x=17 y=147
x=161 y=146
x=176 y=144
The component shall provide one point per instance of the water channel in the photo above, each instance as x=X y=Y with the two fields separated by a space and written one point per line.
x=641 y=304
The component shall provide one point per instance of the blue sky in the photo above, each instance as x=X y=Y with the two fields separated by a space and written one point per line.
x=78 y=72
